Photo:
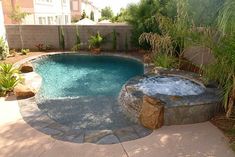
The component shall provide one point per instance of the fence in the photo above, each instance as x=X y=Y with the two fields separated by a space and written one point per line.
x=28 y=36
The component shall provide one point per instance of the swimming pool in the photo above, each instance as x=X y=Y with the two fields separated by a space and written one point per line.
x=80 y=91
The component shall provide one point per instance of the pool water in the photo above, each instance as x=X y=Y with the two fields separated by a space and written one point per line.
x=169 y=85
x=75 y=75
x=80 y=91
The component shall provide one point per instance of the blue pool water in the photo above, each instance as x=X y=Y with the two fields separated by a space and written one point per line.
x=80 y=91
x=74 y=75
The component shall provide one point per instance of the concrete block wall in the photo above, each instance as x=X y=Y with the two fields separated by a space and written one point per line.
x=27 y=36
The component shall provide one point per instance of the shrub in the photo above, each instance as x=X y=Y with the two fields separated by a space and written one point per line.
x=9 y=78
x=13 y=52
x=95 y=41
x=126 y=43
x=24 y=51
x=40 y=47
x=114 y=40
x=77 y=45
x=165 y=61
x=61 y=38
x=3 y=49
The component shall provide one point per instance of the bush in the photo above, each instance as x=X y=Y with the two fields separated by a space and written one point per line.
x=24 y=51
x=9 y=78
x=3 y=49
x=165 y=61
x=95 y=41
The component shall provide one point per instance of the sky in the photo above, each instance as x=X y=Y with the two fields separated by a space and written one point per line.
x=114 y=4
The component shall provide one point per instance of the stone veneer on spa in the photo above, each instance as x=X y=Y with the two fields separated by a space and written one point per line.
x=184 y=109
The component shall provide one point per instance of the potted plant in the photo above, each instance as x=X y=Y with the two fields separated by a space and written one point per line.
x=95 y=43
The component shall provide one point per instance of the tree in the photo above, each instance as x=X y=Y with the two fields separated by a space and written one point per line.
x=83 y=15
x=107 y=13
x=17 y=15
x=92 y=16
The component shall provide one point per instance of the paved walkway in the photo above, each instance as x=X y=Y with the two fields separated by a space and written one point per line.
x=18 y=139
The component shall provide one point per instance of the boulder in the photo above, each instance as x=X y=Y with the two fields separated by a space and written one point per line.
x=26 y=68
x=23 y=91
x=152 y=113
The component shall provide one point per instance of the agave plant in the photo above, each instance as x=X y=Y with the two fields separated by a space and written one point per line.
x=8 y=69
x=9 y=78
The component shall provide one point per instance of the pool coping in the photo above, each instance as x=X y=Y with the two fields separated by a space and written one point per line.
x=42 y=122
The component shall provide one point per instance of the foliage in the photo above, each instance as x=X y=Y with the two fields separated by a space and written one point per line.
x=204 y=12
x=17 y=15
x=95 y=41
x=142 y=17
x=121 y=16
x=165 y=61
x=223 y=70
x=226 y=19
x=172 y=33
x=106 y=13
x=159 y=44
x=40 y=47
x=126 y=43
x=92 y=16
x=61 y=38
x=3 y=49
x=83 y=15
x=114 y=40
x=24 y=51
x=9 y=78
x=13 y=52
x=77 y=45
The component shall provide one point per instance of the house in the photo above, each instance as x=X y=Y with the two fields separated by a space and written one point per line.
x=2 y=27
x=80 y=6
x=40 y=11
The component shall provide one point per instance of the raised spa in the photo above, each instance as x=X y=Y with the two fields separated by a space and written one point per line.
x=186 y=100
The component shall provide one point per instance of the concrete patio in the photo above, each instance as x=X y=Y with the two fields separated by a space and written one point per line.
x=18 y=139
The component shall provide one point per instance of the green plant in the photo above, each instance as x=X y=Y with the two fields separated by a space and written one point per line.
x=9 y=78
x=114 y=39
x=40 y=47
x=83 y=15
x=95 y=41
x=25 y=51
x=226 y=18
x=223 y=70
x=13 y=52
x=165 y=61
x=3 y=49
x=17 y=15
x=92 y=16
x=126 y=43
x=61 y=38
x=106 y=13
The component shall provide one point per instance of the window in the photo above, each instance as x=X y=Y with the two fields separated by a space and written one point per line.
x=66 y=19
x=50 y=20
x=42 y=20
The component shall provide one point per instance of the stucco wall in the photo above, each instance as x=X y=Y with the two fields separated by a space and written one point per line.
x=2 y=28
x=32 y=35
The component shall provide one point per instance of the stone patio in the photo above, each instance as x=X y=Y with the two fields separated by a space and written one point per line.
x=18 y=139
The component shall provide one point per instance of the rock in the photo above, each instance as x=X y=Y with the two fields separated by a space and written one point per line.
x=152 y=113
x=23 y=91
x=26 y=68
